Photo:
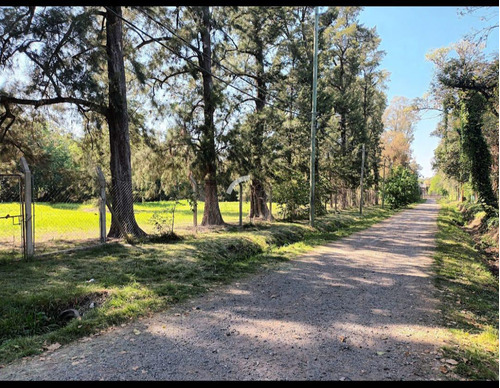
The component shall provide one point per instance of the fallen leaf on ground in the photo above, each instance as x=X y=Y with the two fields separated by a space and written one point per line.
x=136 y=332
x=53 y=347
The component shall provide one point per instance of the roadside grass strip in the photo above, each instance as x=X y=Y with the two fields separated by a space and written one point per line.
x=469 y=299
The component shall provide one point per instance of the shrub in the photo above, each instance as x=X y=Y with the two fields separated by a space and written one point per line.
x=293 y=196
x=402 y=188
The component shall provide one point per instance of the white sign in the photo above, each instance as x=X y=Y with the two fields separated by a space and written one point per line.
x=237 y=181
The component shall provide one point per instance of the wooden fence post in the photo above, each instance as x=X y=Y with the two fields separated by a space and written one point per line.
x=28 y=221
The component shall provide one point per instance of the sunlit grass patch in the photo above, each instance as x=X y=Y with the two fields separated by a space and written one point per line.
x=470 y=300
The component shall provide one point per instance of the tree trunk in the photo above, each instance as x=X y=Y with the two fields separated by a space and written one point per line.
x=376 y=178
x=258 y=197
x=343 y=198
x=353 y=197
x=119 y=140
x=258 y=201
x=211 y=213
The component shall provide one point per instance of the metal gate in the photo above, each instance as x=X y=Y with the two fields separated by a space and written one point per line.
x=12 y=216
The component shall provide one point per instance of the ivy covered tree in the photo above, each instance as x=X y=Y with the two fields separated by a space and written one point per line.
x=467 y=86
x=449 y=157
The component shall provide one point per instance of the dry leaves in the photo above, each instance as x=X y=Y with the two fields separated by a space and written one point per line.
x=53 y=347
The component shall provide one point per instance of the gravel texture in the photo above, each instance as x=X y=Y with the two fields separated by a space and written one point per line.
x=360 y=308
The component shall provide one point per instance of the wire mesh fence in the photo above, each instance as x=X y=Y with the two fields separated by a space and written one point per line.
x=11 y=216
x=162 y=216
x=69 y=213
x=62 y=219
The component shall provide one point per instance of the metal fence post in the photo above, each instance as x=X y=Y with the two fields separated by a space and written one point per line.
x=102 y=205
x=28 y=226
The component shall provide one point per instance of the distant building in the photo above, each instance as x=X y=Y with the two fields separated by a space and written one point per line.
x=424 y=189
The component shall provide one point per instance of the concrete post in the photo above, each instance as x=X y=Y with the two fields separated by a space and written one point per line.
x=241 y=204
x=194 y=185
x=28 y=220
x=102 y=205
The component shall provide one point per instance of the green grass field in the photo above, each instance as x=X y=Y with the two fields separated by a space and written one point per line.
x=64 y=225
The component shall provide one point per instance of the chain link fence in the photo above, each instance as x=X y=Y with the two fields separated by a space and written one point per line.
x=64 y=218
x=72 y=213
x=179 y=212
x=11 y=216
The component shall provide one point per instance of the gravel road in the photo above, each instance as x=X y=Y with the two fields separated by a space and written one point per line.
x=360 y=308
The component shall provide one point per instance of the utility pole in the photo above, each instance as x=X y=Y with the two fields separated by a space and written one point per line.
x=383 y=185
x=361 y=181
x=313 y=118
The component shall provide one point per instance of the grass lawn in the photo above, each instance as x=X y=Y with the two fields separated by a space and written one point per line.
x=128 y=281
x=66 y=225
x=469 y=299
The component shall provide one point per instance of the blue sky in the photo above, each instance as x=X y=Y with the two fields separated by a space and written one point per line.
x=408 y=34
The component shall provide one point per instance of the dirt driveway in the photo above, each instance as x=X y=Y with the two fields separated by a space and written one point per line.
x=360 y=308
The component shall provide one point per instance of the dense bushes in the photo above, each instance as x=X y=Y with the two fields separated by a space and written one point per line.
x=401 y=188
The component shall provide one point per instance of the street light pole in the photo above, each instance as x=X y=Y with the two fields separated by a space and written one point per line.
x=313 y=119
